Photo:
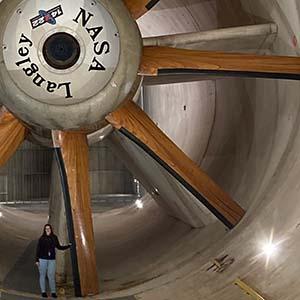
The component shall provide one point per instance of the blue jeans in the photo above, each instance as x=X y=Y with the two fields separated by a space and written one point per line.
x=47 y=267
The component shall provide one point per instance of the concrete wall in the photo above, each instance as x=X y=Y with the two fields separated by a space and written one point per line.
x=252 y=153
x=248 y=142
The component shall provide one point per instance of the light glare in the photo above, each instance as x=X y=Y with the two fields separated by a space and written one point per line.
x=139 y=204
x=1 y=214
x=269 y=249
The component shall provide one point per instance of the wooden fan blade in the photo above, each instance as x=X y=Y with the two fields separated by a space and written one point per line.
x=12 y=134
x=158 y=60
x=177 y=77
x=138 y=8
x=136 y=125
x=74 y=163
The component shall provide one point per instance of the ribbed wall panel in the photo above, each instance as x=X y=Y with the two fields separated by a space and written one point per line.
x=27 y=176
x=107 y=174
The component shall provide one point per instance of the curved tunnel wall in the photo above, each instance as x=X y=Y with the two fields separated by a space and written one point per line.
x=252 y=153
x=252 y=134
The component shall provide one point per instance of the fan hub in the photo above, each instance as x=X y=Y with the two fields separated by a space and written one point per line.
x=61 y=51
x=69 y=54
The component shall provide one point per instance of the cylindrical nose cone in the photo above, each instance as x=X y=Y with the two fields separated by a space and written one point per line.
x=67 y=64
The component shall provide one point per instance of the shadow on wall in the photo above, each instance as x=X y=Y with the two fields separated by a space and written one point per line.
x=230 y=13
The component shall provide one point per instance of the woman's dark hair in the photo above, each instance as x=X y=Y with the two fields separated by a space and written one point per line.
x=44 y=231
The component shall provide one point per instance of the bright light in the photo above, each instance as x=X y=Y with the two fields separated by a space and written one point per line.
x=269 y=249
x=139 y=204
x=1 y=214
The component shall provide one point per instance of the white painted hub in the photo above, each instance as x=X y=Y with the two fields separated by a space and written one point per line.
x=77 y=90
x=92 y=26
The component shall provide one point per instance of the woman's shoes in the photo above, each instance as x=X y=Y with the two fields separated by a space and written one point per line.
x=53 y=295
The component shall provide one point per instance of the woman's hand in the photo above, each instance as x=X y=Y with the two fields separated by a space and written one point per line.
x=37 y=264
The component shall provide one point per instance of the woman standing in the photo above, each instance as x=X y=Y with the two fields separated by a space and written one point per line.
x=45 y=259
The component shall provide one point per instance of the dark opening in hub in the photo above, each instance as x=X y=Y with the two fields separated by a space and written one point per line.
x=61 y=51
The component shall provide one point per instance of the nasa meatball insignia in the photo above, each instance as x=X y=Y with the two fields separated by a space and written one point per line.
x=47 y=17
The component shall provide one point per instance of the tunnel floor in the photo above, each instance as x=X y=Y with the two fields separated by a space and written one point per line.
x=22 y=280
x=124 y=261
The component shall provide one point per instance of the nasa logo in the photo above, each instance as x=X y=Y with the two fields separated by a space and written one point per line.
x=47 y=17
